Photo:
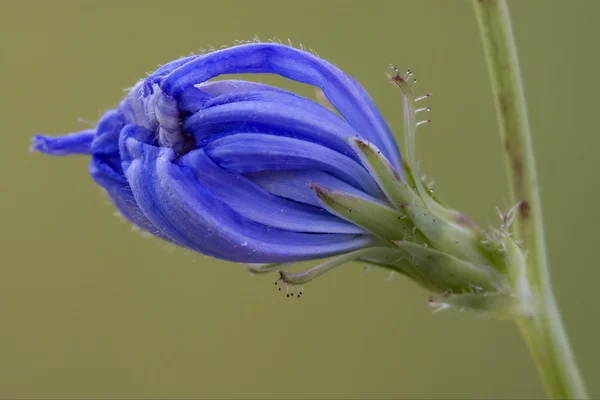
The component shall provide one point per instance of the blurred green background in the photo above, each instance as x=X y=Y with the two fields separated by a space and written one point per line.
x=91 y=309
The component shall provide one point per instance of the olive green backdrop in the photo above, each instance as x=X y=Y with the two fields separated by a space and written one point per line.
x=89 y=308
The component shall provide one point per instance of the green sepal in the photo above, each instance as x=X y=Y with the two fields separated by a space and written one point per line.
x=258 y=268
x=378 y=218
x=388 y=179
x=448 y=235
x=442 y=272
x=300 y=278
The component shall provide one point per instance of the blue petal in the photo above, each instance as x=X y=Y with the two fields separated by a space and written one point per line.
x=105 y=166
x=344 y=93
x=260 y=92
x=258 y=205
x=75 y=143
x=105 y=174
x=137 y=134
x=283 y=114
x=190 y=215
x=296 y=185
x=125 y=203
x=243 y=153
x=132 y=107
x=110 y=157
x=194 y=98
x=165 y=70
x=109 y=127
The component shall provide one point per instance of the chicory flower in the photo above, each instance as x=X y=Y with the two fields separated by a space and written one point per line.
x=251 y=173
x=224 y=168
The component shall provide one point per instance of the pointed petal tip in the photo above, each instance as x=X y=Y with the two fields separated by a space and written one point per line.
x=40 y=143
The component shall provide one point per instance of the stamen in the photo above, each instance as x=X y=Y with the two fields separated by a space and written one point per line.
x=423 y=122
x=423 y=109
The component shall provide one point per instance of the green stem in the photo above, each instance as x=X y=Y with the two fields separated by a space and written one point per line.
x=544 y=332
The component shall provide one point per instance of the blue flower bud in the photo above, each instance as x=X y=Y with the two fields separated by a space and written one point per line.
x=229 y=168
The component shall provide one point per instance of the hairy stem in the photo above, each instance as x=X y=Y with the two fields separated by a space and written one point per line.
x=544 y=332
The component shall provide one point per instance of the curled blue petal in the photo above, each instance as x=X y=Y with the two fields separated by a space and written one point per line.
x=195 y=97
x=283 y=114
x=259 y=92
x=243 y=153
x=297 y=185
x=344 y=93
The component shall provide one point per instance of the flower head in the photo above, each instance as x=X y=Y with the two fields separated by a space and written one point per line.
x=225 y=168
x=252 y=173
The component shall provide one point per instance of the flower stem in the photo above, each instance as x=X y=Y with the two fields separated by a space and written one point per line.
x=544 y=331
